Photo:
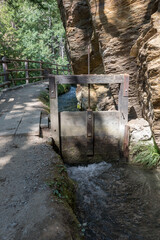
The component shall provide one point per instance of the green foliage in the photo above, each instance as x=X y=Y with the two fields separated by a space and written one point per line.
x=29 y=31
x=146 y=155
x=63 y=88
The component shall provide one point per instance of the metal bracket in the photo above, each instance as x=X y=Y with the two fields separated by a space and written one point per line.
x=90 y=133
x=126 y=86
x=52 y=89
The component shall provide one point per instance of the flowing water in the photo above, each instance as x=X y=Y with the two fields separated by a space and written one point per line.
x=68 y=101
x=115 y=201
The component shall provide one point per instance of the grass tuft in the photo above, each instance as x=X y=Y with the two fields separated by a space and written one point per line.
x=146 y=154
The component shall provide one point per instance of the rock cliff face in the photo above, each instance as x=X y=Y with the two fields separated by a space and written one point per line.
x=113 y=27
x=147 y=51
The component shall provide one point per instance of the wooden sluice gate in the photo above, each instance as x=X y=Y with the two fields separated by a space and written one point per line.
x=89 y=136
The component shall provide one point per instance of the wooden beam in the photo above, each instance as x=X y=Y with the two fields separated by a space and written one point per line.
x=19 y=79
x=4 y=73
x=24 y=70
x=54 y=115
x=123 y=107
x=88 y=79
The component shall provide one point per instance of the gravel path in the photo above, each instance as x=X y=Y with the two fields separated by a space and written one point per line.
x=28 y=211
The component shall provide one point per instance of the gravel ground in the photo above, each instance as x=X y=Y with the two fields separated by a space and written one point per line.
x=28 y=210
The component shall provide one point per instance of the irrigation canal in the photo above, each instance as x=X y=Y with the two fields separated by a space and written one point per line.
x=115 y=201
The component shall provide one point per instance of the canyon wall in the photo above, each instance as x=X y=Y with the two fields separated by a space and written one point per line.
x=147 y=51
x=113 y=27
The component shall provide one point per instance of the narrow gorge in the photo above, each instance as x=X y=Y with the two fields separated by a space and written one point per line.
x=125 y=38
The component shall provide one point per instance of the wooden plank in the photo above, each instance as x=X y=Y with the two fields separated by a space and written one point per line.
x=10 y=60
x=52 y=88
x=126 y=142
x=54 y=115
x=123 y=108
x=88 y=79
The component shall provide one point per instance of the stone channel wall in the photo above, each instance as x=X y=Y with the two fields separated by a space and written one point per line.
x=114 y=27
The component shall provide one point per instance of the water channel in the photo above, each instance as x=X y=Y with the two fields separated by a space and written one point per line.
x=116 y=201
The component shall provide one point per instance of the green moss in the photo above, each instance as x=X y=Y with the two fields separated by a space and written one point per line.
x=62 y=186
x=63 y=190
x=146 y=154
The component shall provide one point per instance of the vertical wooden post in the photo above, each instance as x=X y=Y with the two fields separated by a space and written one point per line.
x=69 y=71
x=123 y=107
x=57 y=71
x=27 y=72
x=5 y=69
x=41 y=67
x=54 y=116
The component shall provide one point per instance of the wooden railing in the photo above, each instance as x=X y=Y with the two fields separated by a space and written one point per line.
x=23 y=71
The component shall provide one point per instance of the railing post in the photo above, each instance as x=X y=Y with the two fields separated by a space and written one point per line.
x=27 y=72
x=57 y=71
x=68 y=68
x=41 y=67
x=5 y=69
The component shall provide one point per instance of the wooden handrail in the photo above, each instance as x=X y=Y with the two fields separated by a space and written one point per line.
x=24 y=70
x=20 y=79
x=7 y=72
x=10 y=60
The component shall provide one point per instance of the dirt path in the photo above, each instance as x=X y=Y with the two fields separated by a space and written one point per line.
x=28 y=210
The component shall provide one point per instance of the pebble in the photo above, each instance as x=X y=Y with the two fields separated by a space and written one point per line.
x=12 y=225
x=2 y=179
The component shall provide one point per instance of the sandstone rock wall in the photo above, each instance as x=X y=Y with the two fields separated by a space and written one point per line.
x=147 y=51
x=113 y=27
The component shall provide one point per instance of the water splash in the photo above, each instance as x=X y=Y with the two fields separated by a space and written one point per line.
x=117 y=201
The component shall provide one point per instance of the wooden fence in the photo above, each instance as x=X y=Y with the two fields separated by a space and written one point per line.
x=22 y=71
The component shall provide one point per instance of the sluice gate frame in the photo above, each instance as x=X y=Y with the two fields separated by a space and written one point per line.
x=88 y=136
